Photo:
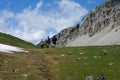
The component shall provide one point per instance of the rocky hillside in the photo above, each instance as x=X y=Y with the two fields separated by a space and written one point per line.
x=101 y=26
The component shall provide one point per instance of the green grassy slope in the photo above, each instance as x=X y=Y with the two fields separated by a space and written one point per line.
x=11 y=40
x=78 y=62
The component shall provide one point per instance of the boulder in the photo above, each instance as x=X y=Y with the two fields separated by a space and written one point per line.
x=89 y=78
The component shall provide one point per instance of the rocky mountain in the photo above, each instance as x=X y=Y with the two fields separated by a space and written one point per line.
x=101 y=26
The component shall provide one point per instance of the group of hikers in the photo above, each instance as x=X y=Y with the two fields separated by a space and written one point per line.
x=48 y=42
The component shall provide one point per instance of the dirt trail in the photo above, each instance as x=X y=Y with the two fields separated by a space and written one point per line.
x=46 y=63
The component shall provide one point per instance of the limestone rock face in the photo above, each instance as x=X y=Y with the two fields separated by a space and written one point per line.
x=101 y=17
x=67 y=34
x=96 y=28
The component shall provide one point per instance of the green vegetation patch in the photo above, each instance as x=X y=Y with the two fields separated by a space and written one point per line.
x=11 y=40
x=76 y=63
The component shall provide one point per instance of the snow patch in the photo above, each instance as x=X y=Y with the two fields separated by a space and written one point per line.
x=10 y=49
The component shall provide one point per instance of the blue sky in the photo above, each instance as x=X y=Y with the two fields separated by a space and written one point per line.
x=33 y=20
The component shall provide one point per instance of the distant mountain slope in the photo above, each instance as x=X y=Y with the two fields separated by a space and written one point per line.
x=14 y=41
x=101 y=26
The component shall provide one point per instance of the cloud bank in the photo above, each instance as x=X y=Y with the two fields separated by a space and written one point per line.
x=45 y=19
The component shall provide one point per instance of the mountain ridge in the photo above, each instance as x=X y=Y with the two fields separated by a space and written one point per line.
x=104 y=18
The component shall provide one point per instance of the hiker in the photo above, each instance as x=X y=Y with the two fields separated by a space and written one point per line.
x=54 y=39
x=48 y=41
x=41 y=43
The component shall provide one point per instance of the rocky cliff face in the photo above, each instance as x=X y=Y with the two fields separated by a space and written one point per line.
x=103 y=20
x=67 y=34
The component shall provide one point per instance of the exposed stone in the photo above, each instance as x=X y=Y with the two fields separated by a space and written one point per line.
x=105 y=52
x=86 y=64
x=76 y=60
x=89 y=78
x=29 y=66
x=43 y=68
x=16 y=70
x=5 y=62
x=110 y=64
x=4 y=71
x=85 y=57
x=62 y=55
x=95 y=57
x=38 y=60
x=25 y=75
x=101 y=77
x=82 y=53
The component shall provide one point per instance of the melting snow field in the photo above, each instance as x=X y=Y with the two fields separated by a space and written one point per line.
x=10 y=49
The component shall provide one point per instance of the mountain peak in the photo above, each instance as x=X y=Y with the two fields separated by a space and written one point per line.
x=96 y=28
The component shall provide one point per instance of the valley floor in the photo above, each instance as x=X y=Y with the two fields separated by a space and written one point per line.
x=68 y=63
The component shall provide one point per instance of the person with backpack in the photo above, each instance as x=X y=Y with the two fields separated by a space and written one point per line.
x=48 y=42
x=54 y=39
x=42 y=44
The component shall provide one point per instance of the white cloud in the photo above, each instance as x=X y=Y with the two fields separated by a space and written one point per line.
x=31 y=24
x=39 y=5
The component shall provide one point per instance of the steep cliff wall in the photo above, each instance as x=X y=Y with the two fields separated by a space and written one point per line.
x=101 y=17
x=95 y=27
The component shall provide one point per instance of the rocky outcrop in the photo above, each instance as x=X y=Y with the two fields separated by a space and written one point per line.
x=104 y=18
x=67 y=34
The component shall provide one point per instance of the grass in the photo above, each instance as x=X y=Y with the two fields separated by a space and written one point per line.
x=16 y=62
x=25 y=63
x=67 y=63
x=93 y=62
x=11 y=40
